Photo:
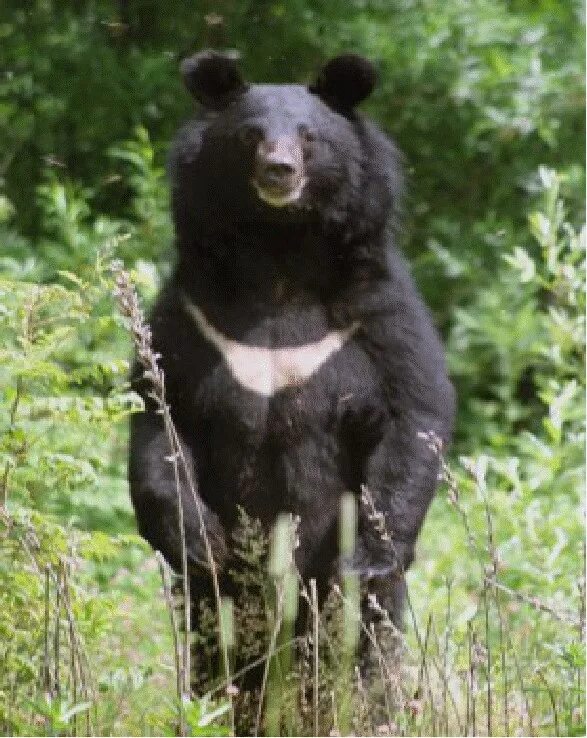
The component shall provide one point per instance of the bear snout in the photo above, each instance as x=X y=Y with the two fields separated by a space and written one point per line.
x=279 y=170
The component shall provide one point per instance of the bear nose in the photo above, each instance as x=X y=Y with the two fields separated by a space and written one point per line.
x=279 y=163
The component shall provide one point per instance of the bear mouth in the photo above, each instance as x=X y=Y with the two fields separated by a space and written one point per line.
x=280 y=196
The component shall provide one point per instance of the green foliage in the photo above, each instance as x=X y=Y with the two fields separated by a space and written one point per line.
x=528 y=462
x=149 y=212
x=60 y=414
x=519 y=344
x=521 y=488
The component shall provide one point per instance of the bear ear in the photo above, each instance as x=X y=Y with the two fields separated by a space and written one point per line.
x=345 y=81
x=213 y=78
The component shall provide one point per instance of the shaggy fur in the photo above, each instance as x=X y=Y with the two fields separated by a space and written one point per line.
x=284 y=277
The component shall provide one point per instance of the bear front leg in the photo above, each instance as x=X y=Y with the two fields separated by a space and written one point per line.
x=400 y=476
x=154 y=493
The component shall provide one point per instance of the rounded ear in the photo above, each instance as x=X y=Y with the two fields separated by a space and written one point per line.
x=345 y=81
x=213 y=77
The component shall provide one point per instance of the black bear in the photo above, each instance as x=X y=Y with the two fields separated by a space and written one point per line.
x=300 y=361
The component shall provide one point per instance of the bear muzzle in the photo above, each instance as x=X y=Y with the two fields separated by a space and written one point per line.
x=279 y=177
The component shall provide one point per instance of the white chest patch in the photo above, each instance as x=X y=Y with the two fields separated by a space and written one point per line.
x=268 y=370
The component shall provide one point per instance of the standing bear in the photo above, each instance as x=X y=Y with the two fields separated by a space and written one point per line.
x=300 y=361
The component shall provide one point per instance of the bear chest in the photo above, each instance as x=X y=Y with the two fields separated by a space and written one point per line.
x=286 y=377
x=269 y=365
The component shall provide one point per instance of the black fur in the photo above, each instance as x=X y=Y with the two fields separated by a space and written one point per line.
x=213 y=79
x=284 y=276
x=345 y=81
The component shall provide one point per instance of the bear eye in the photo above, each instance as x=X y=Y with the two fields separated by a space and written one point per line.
x=250 y=135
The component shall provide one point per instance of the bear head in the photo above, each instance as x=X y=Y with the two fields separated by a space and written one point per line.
x=280 y=154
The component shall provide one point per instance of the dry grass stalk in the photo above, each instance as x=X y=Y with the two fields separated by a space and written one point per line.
x=128 y=302
x=167 y=594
